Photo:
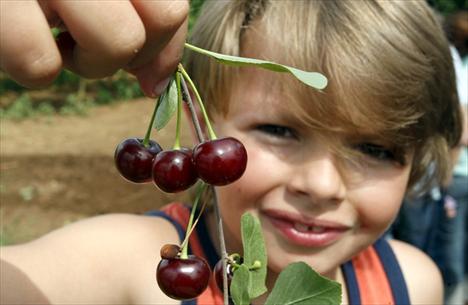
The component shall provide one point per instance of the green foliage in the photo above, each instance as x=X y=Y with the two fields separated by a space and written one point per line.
x=297 y=284
x=254 y=250
x=21 y=108
x=312 y=79
x=68 y=95
x=240 y=286
x=74 y=105
x=7 y=84
x=167 y=105
x=4 y=240
x=247 y=282
x=447 y=7
x=67 y=79
x=195 y=7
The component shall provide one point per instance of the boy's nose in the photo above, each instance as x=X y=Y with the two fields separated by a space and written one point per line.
x=318 y=179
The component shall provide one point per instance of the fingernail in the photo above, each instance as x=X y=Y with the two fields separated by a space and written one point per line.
x=161 y=86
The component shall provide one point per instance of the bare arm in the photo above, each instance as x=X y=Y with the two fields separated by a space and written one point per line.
x=15 y=283
x=103 y=260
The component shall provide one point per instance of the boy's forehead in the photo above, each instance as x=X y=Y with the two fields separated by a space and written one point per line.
x=261 y=87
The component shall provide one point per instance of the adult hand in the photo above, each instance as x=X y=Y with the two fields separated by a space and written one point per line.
x=144 y=37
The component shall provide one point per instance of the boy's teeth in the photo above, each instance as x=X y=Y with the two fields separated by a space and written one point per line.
x=318 y=229
x=304 y=228
x=301 y=227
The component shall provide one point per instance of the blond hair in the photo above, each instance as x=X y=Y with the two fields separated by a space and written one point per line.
x=388 y=63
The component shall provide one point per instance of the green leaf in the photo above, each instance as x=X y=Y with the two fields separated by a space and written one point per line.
x=239 y=286
x=313 y=79
x=254 y=250
x=167 y=106
x=299 y=284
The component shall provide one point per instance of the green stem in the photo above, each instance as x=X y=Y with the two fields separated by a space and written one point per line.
x=200 y=102
x=179 y=111
x=184 y=246
x=150 y=126
x=196 y=49
x=222 y=244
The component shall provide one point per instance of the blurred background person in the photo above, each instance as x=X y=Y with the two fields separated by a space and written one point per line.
x=436 y=221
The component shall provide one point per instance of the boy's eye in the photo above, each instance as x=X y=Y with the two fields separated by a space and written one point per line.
x=378 y=152
x=277 y=131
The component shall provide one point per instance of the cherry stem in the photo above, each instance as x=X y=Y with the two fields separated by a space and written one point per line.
x=222 y=245
x=235 y=257
x=184 y=246
x=186 y=239
x=234 y=260
x=179 y=110
x=151 y=124
x=193 y=113
x=200 y=102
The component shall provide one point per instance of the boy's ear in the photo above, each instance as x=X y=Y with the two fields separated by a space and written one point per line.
x=199 y=116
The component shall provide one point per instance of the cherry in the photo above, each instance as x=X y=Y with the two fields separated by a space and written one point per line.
x=173 y=170
x=134 y=161
x=183 y=279
x=218 y=274
x=221 y=161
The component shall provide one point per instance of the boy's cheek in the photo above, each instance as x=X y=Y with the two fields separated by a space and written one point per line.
x=261 y=174
x=378 y=209
x=253 y=186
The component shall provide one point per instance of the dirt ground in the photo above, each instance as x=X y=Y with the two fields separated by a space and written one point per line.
x=56 y=170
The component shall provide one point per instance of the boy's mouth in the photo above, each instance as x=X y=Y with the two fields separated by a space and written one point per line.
x=305 y=228
x=305 y=232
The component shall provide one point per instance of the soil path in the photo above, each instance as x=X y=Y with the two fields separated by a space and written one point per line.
x=56 y=170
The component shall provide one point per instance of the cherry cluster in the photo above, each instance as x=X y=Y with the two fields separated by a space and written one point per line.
x=216 y=162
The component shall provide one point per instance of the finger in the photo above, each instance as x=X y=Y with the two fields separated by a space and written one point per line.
x=52 y=18
x=28 y=52
x=108 y=34
x=162 y=19
x=154 y=77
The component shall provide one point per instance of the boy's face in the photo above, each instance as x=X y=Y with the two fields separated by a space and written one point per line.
x=313 y=205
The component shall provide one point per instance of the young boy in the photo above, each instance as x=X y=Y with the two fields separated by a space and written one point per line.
x=327 y=170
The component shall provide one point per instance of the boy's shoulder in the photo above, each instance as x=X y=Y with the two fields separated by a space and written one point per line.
x=422 y=276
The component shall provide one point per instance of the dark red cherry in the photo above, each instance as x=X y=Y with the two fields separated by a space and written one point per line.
x=221 y=161
x=218 y=274
x=173 y=170
x=134 y=161
x=183 y=279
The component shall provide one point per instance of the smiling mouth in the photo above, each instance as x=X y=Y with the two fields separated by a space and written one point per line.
x=314 y=233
